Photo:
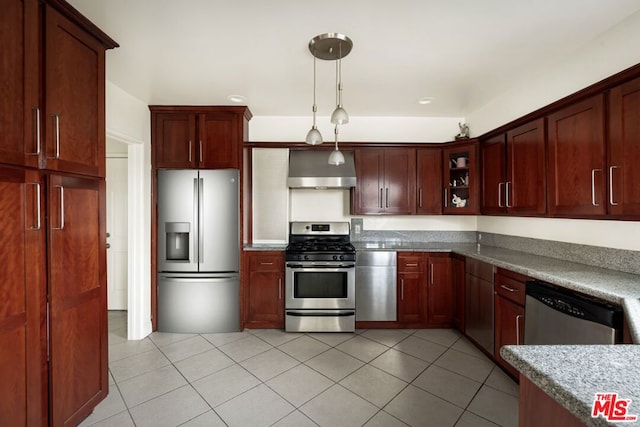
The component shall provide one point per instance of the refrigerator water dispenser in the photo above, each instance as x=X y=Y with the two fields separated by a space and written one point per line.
x=177 y=241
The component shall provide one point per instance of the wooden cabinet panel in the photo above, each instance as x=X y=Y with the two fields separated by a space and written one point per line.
x=576 y=163
x=440 y=291
x=525 y=188
x=509 y=328
x=21 y=297
x=174 y=140
x=219 y=142
x=429 y=180
x=77 y=297
x=457 y=271
x=385 y=181
x=412 y=288
x=461 y=178
x=19 y=83
x=536 y=408
x=207 y=137
x=74 y=116
x=624 y=150
x=265 y=290
x=492 y=165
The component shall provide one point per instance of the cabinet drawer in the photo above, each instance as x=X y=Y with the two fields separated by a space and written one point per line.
x=266 y=262
x=510 y=288
x=479 y=269
x=410 y=262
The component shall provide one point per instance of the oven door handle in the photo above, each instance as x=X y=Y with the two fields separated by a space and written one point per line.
x=319 y=313
x=321 y=266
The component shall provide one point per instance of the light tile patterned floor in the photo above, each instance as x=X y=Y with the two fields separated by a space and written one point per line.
x=426 y=377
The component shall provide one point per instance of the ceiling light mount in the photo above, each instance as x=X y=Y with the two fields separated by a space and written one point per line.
x=330 y=46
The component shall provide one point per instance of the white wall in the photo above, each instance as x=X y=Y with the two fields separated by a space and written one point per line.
x=128 y=122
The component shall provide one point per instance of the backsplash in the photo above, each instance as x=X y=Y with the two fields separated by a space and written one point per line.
x=413 y=236
x=613 y=259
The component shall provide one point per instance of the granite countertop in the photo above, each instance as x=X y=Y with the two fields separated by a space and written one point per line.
x=573 y=374
x=265 y=247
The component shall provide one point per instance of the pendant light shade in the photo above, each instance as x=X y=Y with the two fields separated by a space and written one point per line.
x=330 y=47
x=314 y=137
x=336 y=157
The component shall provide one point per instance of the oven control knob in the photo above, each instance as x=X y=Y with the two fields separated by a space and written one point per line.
x=335 y=257
x=306 y=257
x=341 y=257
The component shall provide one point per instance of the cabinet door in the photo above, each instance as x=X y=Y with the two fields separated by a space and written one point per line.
x=19 y=127
x=368 y=192
x=429 y=180
x=412 y=288
x=399 y=181
x=440 y=291
x=526 y=184
x=509 y=328
x=75 y=101
x=265 y=291
x=576 y=161
x=218 y=141
x=624 y=150
x=77 y=298
x=457 y=271
x=493 y=175
x=174 y=140
x=22 y=297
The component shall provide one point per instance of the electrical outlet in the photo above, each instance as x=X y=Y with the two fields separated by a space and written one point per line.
x=357 y=229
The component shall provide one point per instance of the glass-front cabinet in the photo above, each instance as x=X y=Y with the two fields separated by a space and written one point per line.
x=460 y=179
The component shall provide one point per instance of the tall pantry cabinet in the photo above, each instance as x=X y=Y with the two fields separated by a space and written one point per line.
x=53 y=318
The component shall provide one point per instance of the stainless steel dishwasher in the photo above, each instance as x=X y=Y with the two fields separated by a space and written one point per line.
x=557 y=316
x=376 y=293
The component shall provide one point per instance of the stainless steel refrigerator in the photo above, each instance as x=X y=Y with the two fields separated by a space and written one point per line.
x=198 y=250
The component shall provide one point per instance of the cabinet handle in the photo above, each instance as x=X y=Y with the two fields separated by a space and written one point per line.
x=430 y=274
x=36 y=110
x=56 y=133
x=387 y=196
x=500 y=185
x=412 y=264
x=402 y=289
x=506 y=194
x=265 y=263
x=380 y=198
x=593 y=186
x=446 y=198
x=420 y=197
x=611 y=202
x=506 y=288
x=518 y=328
x=189 y=151
x=279 y=287
x=37 y=221
x=201 y=159
x=61 y=208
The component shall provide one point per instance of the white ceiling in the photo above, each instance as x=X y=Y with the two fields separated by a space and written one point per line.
x=461 y=52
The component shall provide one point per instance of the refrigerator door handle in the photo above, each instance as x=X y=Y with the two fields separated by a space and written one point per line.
x=195 y=244
x=200 y=221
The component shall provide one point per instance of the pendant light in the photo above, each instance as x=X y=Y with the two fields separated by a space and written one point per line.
x=330 y=47
x=314 y=137
x=336 y=158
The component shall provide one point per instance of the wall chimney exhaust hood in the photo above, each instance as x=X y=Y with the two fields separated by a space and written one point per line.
x=309 y=169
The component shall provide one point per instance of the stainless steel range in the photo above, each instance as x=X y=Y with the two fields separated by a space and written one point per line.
x=320 y=278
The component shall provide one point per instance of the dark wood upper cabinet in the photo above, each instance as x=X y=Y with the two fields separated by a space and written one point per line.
x=429 y=180
x=492 y=165
x=19 y=108
x=198 y=137
x=386 y=181
x=623 y=170
x=461 y=180
x=74 y=115
x=576 y=162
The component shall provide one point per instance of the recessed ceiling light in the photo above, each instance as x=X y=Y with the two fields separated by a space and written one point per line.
x=238 y=99
x=426 y=100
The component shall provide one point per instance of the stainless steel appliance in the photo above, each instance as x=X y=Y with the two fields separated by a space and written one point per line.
x=310 y=169
x=198 y=251
x=558 y=316
x=320 y=278
x=376 y=286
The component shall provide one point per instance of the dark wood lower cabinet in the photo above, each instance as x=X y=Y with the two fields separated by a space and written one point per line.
x=440 y=291
x=78 y=327
x=538 y=409
x=265 y=290
x=509 y=328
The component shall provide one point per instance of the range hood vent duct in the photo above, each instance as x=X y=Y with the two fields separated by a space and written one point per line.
x=310 y=169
